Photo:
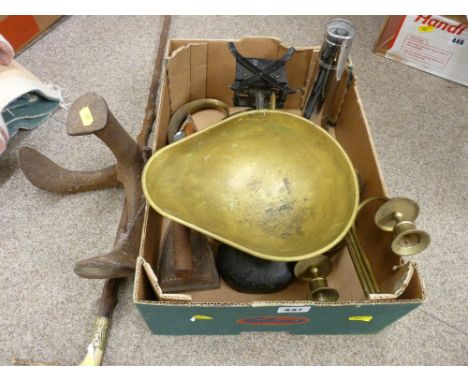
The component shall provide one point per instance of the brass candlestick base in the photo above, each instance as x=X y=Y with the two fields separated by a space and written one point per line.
x=398 y=216
x=321 y=292
x=315 y=271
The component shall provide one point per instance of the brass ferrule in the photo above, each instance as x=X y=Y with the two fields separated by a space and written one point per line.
x=319 y=282
x=403 y=226
x=101 y=326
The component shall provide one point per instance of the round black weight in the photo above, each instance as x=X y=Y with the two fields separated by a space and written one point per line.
x=249 y=274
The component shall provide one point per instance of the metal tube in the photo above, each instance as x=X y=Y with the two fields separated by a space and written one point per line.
x=332 y=61
x=362 y=265
x=365 y=262
x=358 y=266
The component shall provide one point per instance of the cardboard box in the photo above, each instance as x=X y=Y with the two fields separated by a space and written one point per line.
x=20 y=31
x=434 y=44
x=205 y=68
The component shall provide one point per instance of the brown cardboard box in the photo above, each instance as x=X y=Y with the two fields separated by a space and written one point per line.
x=23 y=30
x=205 y=69
x=434 y=44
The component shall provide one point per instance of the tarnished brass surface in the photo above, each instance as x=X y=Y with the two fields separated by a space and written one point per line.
x=321 y=292
x=96 y=348
x=398 y=216
x=267 y=182
x=407 y=210
x=181 y=114
x=319 y=266
x=356 y=252
x=316 y=270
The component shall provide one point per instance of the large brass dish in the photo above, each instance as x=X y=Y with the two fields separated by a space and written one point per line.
x=267 y=182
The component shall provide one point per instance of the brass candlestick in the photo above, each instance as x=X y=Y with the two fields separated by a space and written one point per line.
x=315 y=271
x=398 y=216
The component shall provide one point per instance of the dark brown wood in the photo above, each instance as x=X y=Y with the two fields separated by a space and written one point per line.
x=150 y=112
x=108 y=299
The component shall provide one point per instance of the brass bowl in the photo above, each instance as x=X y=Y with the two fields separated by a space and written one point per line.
x=269 y=183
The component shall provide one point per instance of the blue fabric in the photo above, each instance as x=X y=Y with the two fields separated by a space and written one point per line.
x=28 y=111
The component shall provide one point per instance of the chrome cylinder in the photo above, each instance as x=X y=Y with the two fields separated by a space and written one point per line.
x=332 y=62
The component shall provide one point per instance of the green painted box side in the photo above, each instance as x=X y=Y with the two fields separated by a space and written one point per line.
x=219 y=320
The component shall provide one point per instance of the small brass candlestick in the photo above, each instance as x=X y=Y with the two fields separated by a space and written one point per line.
x=315 y=271
x=398 y=216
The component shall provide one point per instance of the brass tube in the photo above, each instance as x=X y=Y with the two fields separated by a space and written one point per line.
x=359 y=258
x=362 y=276
x=365 y=262
x=362 y=265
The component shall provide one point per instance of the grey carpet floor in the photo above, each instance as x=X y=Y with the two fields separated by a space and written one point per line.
x=419 y=124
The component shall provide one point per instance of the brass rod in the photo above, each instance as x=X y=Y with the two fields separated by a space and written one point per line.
x=365 y=262
x=364 y=268
x=363 y=278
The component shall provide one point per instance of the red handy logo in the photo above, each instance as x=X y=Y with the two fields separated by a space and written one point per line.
x=273 y=320
x=439 y=24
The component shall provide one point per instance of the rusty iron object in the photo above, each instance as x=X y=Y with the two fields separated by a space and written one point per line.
x=120 y=262
x=47 y=175
x=108 y=299
x=89 y=114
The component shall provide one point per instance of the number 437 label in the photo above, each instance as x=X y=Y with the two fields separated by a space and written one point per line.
x=293 y=309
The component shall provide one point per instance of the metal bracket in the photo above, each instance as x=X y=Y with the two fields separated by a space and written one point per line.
x=257 y=79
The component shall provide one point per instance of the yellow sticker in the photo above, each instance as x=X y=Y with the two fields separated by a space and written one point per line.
x=86 y=116
x=426 y=28
x=200 y=317
x=360 y=318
